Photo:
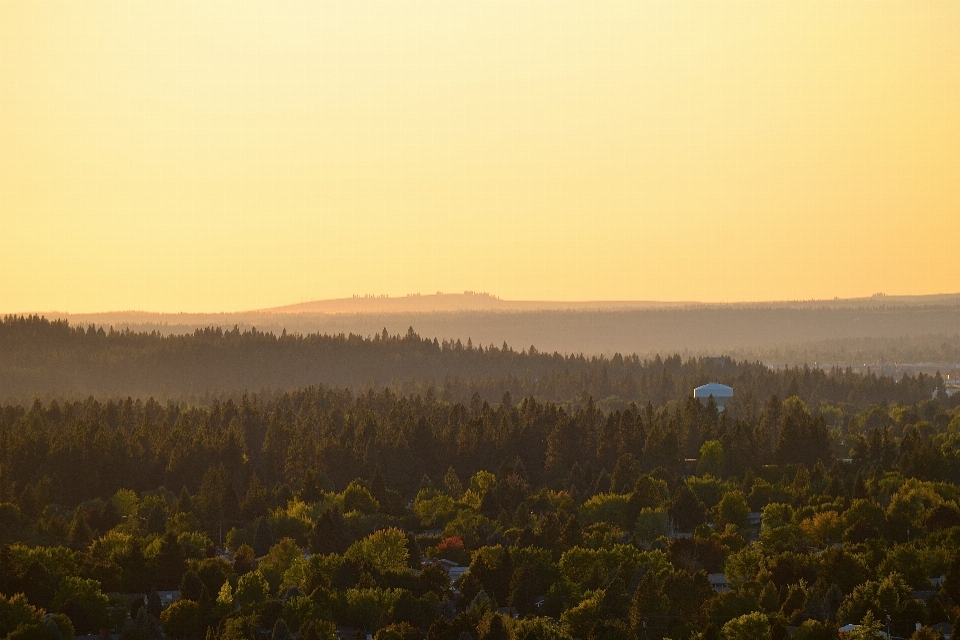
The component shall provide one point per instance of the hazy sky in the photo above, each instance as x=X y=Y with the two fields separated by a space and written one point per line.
x=209 y=156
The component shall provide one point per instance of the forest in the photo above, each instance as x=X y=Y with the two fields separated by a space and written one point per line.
x=43 y=358
x=408 y=489
x=892 y=329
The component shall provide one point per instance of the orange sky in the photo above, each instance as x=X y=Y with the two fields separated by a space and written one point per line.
x=208 y=156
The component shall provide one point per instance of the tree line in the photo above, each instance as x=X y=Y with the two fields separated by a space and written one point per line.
x=43 y=358
x=70 y=451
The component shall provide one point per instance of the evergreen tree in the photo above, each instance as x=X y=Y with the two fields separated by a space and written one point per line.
x=329 y=534
x=686 y=510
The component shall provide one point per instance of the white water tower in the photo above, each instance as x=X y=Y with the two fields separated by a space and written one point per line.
x=721 y=394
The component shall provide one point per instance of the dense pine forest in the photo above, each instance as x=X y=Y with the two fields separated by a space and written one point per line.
x=43 y=358
x=306 y=486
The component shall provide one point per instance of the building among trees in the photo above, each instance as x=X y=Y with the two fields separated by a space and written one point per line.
x=721 y=393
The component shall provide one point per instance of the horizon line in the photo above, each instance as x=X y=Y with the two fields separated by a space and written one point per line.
x=289 y=309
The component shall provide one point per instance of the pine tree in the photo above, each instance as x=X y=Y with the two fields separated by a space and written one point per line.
x=686 y=510
x=263 y=539
x=329 y=534
x=452 y=483
x=79 y=535
x=191 y=587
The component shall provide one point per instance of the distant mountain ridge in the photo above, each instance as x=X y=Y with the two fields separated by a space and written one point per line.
x=472 y=301
x=453 y=302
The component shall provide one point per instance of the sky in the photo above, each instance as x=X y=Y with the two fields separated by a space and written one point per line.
x=226 y=156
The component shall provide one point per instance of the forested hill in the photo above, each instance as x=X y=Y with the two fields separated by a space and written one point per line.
x=39 y=357
x=840 y=332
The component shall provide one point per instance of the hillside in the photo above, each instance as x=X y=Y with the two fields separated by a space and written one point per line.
x=454 y=302
x=40 y=357
x=888 y=330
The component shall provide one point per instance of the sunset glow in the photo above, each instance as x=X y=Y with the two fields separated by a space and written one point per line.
x=215 y=156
